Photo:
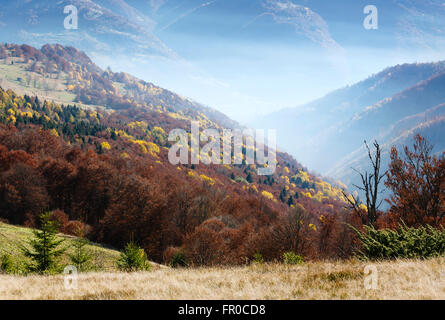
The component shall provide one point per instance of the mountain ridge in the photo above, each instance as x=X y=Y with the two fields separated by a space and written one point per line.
x=143 y=93
x=331 y=130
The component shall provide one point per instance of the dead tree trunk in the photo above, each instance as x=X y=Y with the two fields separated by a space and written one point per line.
x=370 y=188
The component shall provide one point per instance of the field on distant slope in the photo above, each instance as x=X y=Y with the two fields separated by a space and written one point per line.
x=17 y=78
x=321 y=280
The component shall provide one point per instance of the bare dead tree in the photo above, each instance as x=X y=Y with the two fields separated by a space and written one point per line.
x=370 y=187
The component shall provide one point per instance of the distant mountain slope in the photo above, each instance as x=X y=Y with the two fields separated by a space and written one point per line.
x=390 y=106
x=305 y=129
x=106 y=26
x=378 y=118
x=430 y=124
x=66 y=71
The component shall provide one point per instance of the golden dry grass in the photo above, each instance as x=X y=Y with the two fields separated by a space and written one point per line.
x=322 y=280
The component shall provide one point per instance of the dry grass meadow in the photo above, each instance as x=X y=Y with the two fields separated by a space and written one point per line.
x=322 y=280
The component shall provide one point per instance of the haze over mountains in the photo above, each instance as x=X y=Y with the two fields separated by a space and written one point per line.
x=243 y=57
x=391 y=106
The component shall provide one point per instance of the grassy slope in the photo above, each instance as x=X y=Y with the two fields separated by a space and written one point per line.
x=51 y=89
x=12 y=236
x=321 y=280
x=54 y=89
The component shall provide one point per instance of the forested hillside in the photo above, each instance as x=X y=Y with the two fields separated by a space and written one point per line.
x=101 y=160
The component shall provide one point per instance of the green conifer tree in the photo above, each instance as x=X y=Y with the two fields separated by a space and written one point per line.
x=81 y=258
x=133 y=258
x=45 y=246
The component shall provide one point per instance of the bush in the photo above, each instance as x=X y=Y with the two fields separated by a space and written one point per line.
x=73 y=227
x=403 y=243
x=179 y=260
x=241 y=180
x=60 y=218
x=6 y=265
x=133 y=258
x=81 y=258
x=292 y=258
x=258 y=258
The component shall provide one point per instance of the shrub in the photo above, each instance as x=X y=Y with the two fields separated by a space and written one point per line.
x=73 y=227
x=267 y=195
x=241 y=180
x=258 y=258
x=133 y=258
x=60 y=218
x=205 y=246
x=292 y=258
x=6 y=265
x=81 y=258
x=179 y=260
x=403 y=243
x=10 y=264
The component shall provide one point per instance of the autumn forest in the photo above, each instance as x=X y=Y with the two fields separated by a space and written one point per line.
x=105 y=170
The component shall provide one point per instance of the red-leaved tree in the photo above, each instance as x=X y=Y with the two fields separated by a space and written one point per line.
x=417 y=180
